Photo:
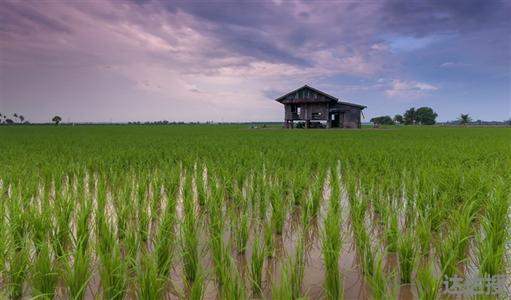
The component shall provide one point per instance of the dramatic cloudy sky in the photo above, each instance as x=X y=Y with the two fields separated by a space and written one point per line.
x=228 y=60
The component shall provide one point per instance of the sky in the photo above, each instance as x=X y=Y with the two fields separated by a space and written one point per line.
x=118 y=61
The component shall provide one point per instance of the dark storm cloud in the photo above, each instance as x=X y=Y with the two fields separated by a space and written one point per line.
x=248 y=27
x=427 y=17
x=280 y=31
x=22 y=18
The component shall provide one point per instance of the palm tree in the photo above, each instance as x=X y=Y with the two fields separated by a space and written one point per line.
x=464 y=119
x=56 y=120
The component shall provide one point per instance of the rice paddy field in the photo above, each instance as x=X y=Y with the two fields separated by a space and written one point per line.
x=228 y=212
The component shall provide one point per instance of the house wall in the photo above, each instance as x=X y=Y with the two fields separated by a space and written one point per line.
x=352 y=118
x=307 y=111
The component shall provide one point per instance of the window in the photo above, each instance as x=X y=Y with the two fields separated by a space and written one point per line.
x=298 y=110
x=317 y=115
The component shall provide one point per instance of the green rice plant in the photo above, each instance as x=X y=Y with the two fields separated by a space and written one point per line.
x=143 y=215
x=331 y=249
x=234 y=287
x=307 y=211
x=380 y=281
x=150 y=284
x=189 y=238
x=283 y=290
x=61 y=235
x=219 y=250
x=165 y=239
x=197 y=289
x=77 y=272
x=200 y=185
x=4 y=232
x=424 y=236
x=317 y=193
x=16 y=274
x=297 y=267
x=300 y=182
x=491 y=244
x=40 y=222
x=132 y=245
x=256 y=265
x=446 y=251
x=82 y=226
x=113 y=271
x=428 y=286
x=241 y=229
x=406 y=251
x=269 y=239
x=392 y=231
x=278 y=215
x=44 y=273
x=231 y=283
x=462 y=230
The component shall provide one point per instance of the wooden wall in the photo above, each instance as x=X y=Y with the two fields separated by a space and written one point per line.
x=319 y=110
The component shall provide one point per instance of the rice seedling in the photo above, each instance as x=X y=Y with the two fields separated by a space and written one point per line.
x=77 y=272
x=197 y=289
x=381 y=282
x=165 y=238
x=113 y=270
x=491 y=246
x=297 y=267
x=269 y=239
x=241 y=226
x=189 y=237
x=44 y=273
x=256 y=266
x=150 y=284
x=392 y=229
x=278 y=215
x=428 y=286
x=424 y=235
x=406 y=251
x=331 y=249
x=283 y=289
x=17 y=271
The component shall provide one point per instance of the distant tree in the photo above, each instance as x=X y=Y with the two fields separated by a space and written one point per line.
x=9 y=121
x=398 y=119
x=464 y=119
x=382 y=120
x=22 y=118
x=425 y=116
x=56 y=120
x=410 y=116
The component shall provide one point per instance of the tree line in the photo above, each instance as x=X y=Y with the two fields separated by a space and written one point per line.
x=420 y=116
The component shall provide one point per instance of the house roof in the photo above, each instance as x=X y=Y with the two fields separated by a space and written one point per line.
x=352 y=104
x=330 y=97
x=279 y=99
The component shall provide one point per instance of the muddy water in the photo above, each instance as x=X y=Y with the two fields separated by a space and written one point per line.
x=354 y=285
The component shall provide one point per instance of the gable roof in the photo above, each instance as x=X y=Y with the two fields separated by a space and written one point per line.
x=279 y=99
x=329 y=97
